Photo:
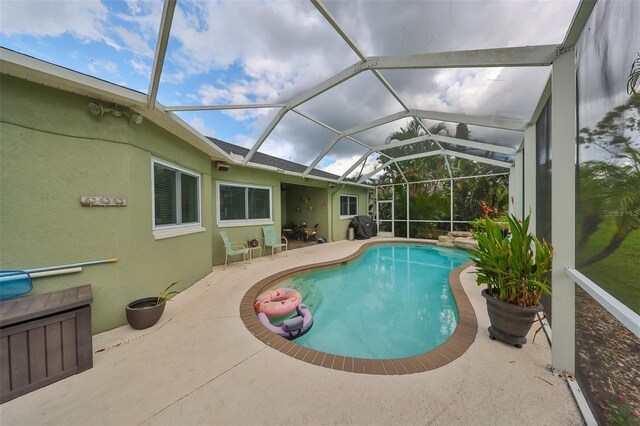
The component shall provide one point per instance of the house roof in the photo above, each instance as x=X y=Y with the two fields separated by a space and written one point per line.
x=269 y=160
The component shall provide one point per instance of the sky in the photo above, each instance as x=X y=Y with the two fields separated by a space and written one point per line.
x=246 y=51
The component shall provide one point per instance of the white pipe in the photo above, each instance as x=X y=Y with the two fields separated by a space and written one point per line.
x=71 y=265
x=55 y=272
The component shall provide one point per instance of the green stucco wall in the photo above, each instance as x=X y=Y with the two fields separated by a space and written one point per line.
x=52 y=152
x=340 y=226
x=325 y=209
x=308 y=205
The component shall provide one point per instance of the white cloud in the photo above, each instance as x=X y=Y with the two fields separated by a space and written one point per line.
x=134 y=41
x=140 y=67
x=199 y=124
x=282 y=149
x=341 y=165
x=86 y=20
x=288 y=51
x=243 y=140
x=99 y=67
x=238 y=52
x=172 y=77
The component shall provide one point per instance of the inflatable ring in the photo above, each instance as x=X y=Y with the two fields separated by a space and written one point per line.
x=277 y=301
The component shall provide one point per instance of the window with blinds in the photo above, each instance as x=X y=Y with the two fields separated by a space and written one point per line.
x=176 y=196
x=243 y=204
x=348 y=206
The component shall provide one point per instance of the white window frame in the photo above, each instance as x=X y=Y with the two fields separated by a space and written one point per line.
x=243 y=222
x=174 y=230
x=340 y=206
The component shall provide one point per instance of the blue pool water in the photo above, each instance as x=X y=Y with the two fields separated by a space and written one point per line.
x=392 y=302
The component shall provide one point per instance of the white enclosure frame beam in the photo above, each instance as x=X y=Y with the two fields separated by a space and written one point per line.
x=491 y=161
x=525 y=56
x=530 y=171
x=446 y=179
x=355 y=165
x=420 y=155
x=516 y=185
x=375 y=171
x=481 y=58
x=333 y=81
x=478 y=145
x=324 y=152
x=220 y=107
x=446 y=158
x=578 y=22
x=619 y=310
x=391 y=145
x=326 y=126
x=358 y=129
x=161 y=50
x=327 y=15
x=265 y=134
x=401 y=173
x=375 y=123
x=494 y=122
x=563 y=209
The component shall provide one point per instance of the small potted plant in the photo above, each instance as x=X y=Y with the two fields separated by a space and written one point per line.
x=143 y=313
x=514 y=266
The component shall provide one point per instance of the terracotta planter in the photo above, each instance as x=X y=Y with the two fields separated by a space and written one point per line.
x=143 y=313
x=510 y=323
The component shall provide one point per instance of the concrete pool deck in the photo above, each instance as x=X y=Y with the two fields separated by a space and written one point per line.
x=200 y=365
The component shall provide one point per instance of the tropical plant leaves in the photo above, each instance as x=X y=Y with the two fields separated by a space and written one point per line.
x=513 y=266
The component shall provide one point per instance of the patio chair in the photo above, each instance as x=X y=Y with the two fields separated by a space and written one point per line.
x=271 y=240
x=311 y=233
x=234 y=248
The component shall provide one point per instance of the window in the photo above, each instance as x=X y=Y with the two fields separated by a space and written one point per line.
x=348 y=206
x=243 y=204
x=176 y=196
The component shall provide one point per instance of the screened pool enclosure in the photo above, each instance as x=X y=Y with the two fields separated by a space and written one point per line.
x=441 y=109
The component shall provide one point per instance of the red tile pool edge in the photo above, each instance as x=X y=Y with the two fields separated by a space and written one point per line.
x=461 y=339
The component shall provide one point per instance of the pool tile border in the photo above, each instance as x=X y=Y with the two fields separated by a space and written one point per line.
x=461 y=339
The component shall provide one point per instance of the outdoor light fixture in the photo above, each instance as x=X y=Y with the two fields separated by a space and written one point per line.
x=137 y=118
x=95 y=108
x=98 y=110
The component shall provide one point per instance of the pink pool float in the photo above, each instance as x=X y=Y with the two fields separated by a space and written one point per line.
x=293 y=327
x=277 y=302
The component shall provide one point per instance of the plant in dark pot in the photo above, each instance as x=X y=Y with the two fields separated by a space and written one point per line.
x=514 y=266
x=143 y=313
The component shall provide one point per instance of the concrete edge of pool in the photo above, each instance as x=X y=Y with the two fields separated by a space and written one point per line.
x=456 y=345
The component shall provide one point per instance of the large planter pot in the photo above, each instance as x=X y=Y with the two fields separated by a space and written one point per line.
x=510 y=323
x=143 y=313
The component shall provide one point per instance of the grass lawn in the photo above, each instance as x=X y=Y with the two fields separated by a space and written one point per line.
x=619 y=273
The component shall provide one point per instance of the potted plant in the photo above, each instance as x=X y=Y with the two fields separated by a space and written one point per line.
x=143 y=313
x=514 y=266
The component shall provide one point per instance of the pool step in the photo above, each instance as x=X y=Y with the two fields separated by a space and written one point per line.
x=458 y=239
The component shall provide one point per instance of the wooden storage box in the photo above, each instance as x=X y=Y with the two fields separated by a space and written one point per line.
x=44 y=338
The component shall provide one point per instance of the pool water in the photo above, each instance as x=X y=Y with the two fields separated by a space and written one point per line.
x=392 y=302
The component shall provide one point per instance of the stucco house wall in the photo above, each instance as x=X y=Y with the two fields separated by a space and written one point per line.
x=52 y=152
x=321 y=197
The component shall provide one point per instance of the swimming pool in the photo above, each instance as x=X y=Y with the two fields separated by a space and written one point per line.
x=392 y=302
x=454 y=347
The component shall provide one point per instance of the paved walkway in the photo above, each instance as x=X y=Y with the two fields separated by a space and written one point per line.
x=199 y=365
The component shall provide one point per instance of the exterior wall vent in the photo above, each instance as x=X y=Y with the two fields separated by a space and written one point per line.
x=222 y=167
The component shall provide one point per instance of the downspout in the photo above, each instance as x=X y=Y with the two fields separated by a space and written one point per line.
x=331 y=194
